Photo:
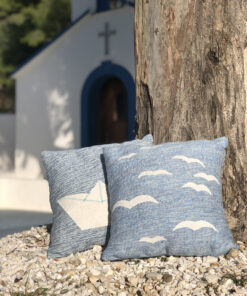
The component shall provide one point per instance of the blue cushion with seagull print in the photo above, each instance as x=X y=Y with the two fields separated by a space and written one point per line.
x=166 y=200
x=78 y=197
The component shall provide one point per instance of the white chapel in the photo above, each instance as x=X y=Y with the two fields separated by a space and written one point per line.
x=76 y=91
x=79 y=89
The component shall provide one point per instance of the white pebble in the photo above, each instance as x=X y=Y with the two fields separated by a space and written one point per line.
x=211 y=279
x=211 y=259
x=83 y=273
x=95 y=272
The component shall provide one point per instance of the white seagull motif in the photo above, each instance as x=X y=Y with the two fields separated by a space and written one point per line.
x=129 y=204
x=207 y=177
x=194 y=225
x=127 y=156
x=154 y=173
x=189 y=160
x=197 y=187
x=152 y=240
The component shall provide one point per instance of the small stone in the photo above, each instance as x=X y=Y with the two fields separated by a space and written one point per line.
x=132 y=280
x=109 y=274
x=211 y=279
x=97 y=248
x=211 y=271
x=171 y=259
x=203 y=269
x=197 y=292
x=2 y=283
x=205 y=264
x=71 y=274
x=167 y=277
x=101 y=289
x=147 y=288
x=188 y=286
x=163 y=292
x=142 y=279
x=59 y=286
x=214 y=265
x=95 y=272
x=90 y=263
x=186 y=277
x=118 y=265
x=182 y=268
x=154 y=276
x=90 y=287
x=211 y=259
x=240 y=242
x=227 y=283
x=83 y=260
x=242 y=248
x=93 y=279
x=199 y=260
x=232 y=254
x=97 y=256
x=75 y=261
x=58 y=277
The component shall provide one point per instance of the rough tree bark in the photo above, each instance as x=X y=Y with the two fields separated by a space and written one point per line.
x=190 y=83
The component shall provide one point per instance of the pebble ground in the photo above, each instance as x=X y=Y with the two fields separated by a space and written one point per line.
x=25 y=270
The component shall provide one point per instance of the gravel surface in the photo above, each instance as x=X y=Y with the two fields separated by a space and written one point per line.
x=25 y=270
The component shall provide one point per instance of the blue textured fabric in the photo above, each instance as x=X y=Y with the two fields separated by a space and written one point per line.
x=78 y=197
x=166 y=200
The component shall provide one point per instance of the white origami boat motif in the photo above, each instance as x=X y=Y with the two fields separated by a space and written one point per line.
x=88 y=210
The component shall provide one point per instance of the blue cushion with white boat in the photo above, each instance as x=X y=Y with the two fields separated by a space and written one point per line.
x=166 y=200
x=78 y=197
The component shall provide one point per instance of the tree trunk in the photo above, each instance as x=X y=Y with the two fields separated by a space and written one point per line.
x=191 y=84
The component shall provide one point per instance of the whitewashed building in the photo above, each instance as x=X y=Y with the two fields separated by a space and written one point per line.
x=57 y=88
x=76 y=91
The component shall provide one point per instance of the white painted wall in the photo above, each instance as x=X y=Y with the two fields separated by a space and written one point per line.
x=7 y=142
x=23 y=203
x=78 y=7
x=48 y=89
x=24 y=195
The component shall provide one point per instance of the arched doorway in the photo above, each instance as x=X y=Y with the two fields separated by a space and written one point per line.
x=112 y=112
x=108 y=106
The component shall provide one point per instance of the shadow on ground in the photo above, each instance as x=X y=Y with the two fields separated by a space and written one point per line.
x=16 y=221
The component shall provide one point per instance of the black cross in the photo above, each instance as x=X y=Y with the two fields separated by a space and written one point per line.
x=106 y=34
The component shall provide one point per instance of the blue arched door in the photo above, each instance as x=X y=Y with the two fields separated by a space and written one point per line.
x=91 y=105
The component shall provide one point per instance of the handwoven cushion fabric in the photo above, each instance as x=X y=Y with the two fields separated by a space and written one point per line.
x=78 y=197
x=166 y=200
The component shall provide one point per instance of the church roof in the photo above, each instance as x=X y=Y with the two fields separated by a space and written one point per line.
x=46 y=45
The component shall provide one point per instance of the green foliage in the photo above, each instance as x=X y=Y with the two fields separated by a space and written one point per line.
x=25 y=25
x=237 y=281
